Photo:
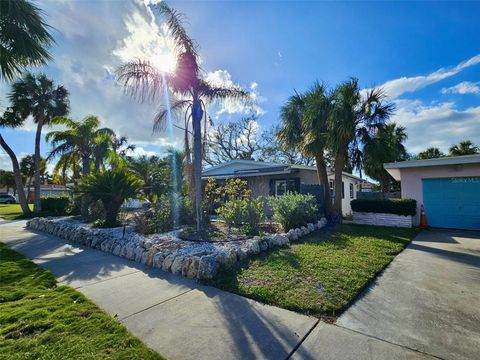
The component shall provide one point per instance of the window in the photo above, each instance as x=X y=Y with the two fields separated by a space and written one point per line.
x=343 y=190
x=351 y=191
x=331 y=186
x=284 y=185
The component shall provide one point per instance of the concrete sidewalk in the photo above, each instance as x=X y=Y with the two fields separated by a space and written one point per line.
x=183 y=320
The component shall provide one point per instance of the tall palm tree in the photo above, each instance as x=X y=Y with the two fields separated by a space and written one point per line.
x=304 y=120
x=430 y=153
x=354 y=113
x=385 y=146
x=465 y=147
x=191 y=94
x=37 y=96
x=24 y=38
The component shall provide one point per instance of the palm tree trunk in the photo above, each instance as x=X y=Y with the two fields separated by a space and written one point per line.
x=323 y=180
x=197 y=115
x=84 y=200
x=337 y=202
x=37 y=207
x=17 y=176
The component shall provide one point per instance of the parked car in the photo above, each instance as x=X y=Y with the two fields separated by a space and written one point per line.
x=7 y=199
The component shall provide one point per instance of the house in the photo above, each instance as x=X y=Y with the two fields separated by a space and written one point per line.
x=48 y=190
x=265 y=178
x=449 y=189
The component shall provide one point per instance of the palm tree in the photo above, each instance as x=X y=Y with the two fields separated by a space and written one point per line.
x=37 y=96
x=385 y=146
x=430 y=153
x=463 y=148
x=24 y=38
x=191 y=94
x=153 y=171
x=354 y=113
x=304 y=120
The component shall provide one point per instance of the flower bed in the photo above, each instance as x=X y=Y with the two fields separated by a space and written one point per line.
x=193 y=259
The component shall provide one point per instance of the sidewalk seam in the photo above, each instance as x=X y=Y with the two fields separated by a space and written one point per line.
x=100 y=281
x=302 y=340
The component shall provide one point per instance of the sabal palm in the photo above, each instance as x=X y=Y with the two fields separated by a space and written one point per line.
x=387 y=145
x=430 y=153
x=187 y=84
x=304 y=120
x=78 y=140
x=354 y=113
x=463 y=148
x=24 y=38
x=38 y=97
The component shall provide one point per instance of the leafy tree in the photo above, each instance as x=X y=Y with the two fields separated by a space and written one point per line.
x=464 y=148
x=37 y=96
x=7 y=180
x=304 y=123
x=385 y=146
x=24 y=38
x=354 y=114
x=430 y=153
x=191 y=92
x=27 y=169
x=275 y=151
x=111 y=188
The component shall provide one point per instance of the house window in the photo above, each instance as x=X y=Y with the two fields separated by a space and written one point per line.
x=351 y=191
x=343 y=190
x=284 y=185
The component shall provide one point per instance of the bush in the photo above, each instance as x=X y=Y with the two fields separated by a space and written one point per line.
x=293 y=210
x=388 y=206
x=244 y=213
x=57 y=205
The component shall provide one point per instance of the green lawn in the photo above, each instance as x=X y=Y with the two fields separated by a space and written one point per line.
x=39 y=320
x=12 y=211
x=322 y=274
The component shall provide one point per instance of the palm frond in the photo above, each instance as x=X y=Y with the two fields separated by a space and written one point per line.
x=141 y=80
x=178 y=106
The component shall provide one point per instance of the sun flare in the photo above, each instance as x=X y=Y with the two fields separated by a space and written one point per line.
x=164 y=62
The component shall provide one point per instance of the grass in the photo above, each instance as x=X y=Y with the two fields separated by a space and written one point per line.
x=39 y=320
x=12 y=211
x=321 y=275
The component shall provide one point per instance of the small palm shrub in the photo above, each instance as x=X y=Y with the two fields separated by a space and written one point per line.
x=293 y=210
x=111 y=188
x=247 y=214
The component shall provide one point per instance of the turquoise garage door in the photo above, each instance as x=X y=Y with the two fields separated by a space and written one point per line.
x=452 y=202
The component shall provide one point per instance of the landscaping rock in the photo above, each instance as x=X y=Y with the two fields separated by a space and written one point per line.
x=177 y=265
x=207 y=267
x=158 y=260
x=310 y=227
x=167 y=263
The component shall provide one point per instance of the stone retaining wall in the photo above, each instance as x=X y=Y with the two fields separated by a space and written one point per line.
x=199 y=260
x=382 y=219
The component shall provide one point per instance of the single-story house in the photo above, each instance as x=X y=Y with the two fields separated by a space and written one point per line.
x=448 y=188
x=265 y=178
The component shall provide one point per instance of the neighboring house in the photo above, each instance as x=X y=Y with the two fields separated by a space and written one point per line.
x=449 y=189
x=275 y=179
x=49 y=190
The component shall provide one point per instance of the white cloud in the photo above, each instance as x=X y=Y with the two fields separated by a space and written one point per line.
x=436 y=124
x=465 y=87
x=229 y=106
x=395 y=88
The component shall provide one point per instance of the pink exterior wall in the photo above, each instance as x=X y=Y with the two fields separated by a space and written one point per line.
x=411 y=180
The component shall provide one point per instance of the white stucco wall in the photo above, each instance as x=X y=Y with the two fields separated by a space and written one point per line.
x=411 y=180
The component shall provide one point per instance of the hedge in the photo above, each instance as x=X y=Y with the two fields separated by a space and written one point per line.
x=55 y=204
x=386 y=206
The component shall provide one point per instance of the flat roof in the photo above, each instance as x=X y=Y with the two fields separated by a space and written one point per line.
x=393 y=168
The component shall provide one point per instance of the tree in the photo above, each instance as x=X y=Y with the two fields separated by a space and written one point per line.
x=304 y=121
x=191 y=93
x=153 y=171
x=238 y=139
x=7 y=180
x=465 y=147
x=354 y=114
x=112 y=188
x=430 y=153
x=274 y=151
x=27 y=169
x=24 y=38
x=37 y=96
x=385 y=146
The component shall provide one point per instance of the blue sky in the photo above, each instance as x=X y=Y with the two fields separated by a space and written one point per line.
x=426 y=55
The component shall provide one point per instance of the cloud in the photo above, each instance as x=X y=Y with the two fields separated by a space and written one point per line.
x=222 y=78
x=395 y=88
x=6 y=162
x=465 y=87
x=436 y=124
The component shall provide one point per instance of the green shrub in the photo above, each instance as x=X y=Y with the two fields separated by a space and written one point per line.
x=57 y=205
x=247 y=214
x=232 y=212
x=293 y=210
x=387 y=206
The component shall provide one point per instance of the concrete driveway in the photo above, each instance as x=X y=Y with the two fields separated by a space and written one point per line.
x=428 y=299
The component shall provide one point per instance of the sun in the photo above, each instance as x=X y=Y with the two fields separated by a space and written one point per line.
x=164 y=62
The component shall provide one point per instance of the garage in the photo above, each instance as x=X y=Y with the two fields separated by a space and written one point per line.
x=453 y=202
x=448 y=188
